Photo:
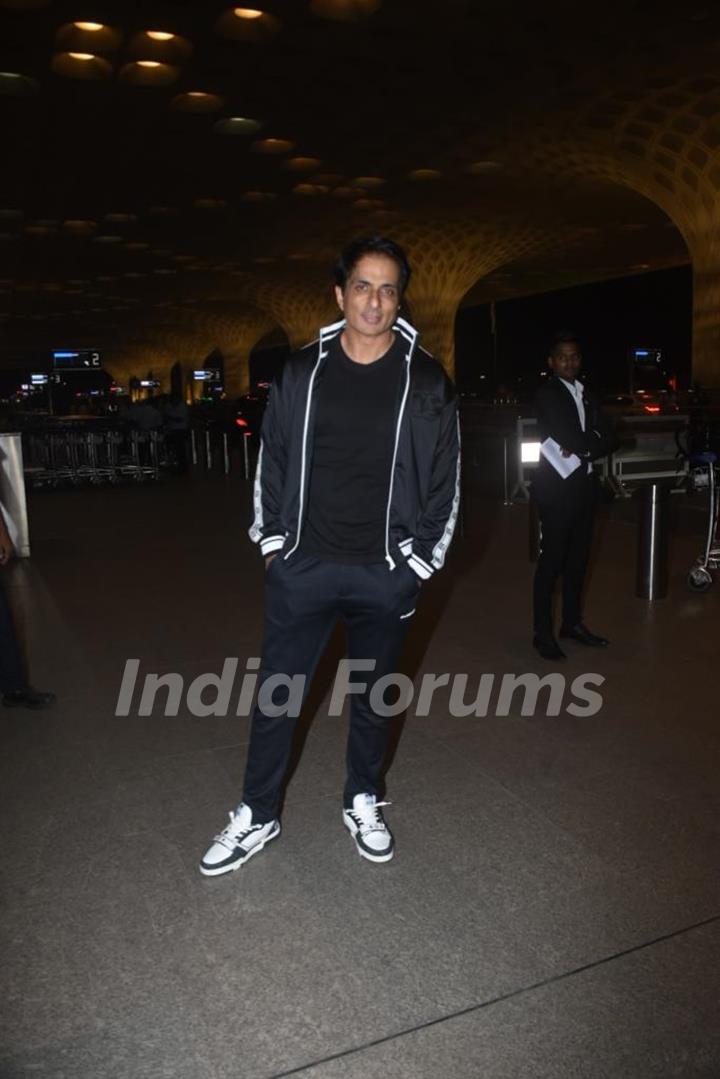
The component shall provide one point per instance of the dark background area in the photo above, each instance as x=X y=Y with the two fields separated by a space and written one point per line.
x=610 y=317
x=653 y=309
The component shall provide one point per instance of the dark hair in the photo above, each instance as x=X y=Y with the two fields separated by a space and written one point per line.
x=562 y=337
x=371 y=245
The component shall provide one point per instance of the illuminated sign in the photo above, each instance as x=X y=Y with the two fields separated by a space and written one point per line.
x=81 y=360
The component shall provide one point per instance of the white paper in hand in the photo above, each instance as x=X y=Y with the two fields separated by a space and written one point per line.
x=552 y=452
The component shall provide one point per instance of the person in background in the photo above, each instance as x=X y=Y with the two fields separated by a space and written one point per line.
x=176 y=422
x=14 y=686
x=570 y=416
x=144 y=415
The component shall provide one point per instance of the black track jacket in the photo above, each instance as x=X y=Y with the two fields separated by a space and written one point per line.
x=424 y=489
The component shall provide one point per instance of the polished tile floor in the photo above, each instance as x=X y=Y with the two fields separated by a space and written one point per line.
x=554 y=906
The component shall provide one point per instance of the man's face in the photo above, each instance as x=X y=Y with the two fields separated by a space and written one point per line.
x=371 y=297
x=565 y=360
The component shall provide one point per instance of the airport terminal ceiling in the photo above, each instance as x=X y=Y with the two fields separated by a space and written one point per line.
x=178 y=177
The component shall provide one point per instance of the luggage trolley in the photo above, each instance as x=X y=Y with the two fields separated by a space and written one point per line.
x=704 y=476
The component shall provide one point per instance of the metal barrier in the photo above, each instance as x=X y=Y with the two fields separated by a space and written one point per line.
x=652 y=541
x=655 y=456
x=71 y=456
x=210 y=445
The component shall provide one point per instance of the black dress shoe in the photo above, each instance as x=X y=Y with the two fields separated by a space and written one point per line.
x=583 y=635
x=28 y=698
x=548 y=648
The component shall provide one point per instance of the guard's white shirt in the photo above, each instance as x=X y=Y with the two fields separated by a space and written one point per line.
x=576 y=391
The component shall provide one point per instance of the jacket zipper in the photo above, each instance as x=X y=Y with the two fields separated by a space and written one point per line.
x=303 y=461
x=412 y=334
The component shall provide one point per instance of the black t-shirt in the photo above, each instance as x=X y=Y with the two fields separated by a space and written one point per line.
x=352 y=456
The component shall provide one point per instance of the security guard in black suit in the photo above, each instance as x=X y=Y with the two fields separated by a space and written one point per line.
x=572 y=417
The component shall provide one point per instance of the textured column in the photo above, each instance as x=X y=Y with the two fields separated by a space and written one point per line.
x=664 y=142
x=706 y=325
x=301 y=310
x=447 y=257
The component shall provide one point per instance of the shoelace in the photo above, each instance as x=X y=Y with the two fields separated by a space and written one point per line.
x=370 y=818
x=231 y=835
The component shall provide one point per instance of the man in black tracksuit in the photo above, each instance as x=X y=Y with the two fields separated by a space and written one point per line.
x=571 y=417
x=356 y=499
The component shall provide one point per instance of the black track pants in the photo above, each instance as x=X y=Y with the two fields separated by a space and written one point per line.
x=566 y=533
x=303 y=598
x=12 y=670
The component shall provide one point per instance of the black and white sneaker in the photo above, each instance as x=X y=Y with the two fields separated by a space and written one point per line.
x=365 y=823
x=237 y=842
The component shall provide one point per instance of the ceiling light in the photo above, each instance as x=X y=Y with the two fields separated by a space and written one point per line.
x=237 y=125
x=160 y=45
x=93 y=37
x=81 y=65
x=369 y=181
x=302 y=164
x=247 y=24
x=197 y=101
x=149 y=73
x=477 y=168
x=310 y=189
x=273 y=146
x=13 y=84
x=425 y=174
